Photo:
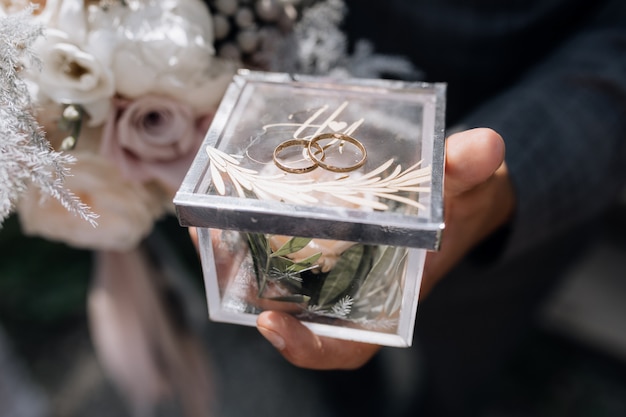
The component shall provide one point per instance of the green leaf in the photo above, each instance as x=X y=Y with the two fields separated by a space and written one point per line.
x=282 y=264
x=291 y=246
x=296 y=298
x=383 y=285
x=386 y=265
x=286 y=266
x=258 y=244
x=259 y=248
x=307 y=263
x=347 y=270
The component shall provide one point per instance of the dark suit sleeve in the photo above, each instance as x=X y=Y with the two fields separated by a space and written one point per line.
x=564 y=124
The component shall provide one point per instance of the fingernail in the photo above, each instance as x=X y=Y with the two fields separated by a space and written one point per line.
x=274 y=338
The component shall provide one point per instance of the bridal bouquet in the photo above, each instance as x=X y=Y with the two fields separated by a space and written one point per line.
x=128 y=88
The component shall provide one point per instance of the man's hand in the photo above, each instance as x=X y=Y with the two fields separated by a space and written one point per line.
x=479 y=199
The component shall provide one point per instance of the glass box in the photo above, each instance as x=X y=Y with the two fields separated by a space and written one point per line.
x=319 y=197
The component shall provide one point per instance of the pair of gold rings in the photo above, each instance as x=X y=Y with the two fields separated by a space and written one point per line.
x=315 y=153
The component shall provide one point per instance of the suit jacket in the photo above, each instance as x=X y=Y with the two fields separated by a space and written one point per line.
x=548 y=75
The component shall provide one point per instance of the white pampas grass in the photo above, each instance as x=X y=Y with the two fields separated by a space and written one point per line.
x=26 y=156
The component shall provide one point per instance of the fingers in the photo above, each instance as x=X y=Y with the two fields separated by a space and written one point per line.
x=472 y=157
x=479 y=198
x=303 y=348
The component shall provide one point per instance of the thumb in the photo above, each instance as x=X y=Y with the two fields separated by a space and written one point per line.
x=300 y=346
x=472 y=157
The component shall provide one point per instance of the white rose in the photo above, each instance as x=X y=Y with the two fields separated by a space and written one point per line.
x=73 y=74
x=66 y=15
x=164 y=47
x=127 y=209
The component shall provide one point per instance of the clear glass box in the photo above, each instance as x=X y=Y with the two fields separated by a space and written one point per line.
x=320 y=198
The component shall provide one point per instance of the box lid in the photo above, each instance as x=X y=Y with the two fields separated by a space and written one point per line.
x=349 y=159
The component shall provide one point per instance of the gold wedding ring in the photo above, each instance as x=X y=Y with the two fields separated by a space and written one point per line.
x=315 y=153
x=305 y=144
x=314 y=144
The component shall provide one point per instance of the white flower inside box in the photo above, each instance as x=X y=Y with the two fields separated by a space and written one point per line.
x=320 y=198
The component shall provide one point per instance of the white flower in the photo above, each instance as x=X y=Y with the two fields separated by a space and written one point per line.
x=73 y=74
x=330 y=249
x=68 y=16
x=127 y=209
x=163 y=47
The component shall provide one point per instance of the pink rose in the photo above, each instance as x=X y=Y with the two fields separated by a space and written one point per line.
x=153 y=138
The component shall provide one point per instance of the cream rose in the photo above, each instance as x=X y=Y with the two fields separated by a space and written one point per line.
x=71 y=74
x=127 y=209
x=153 y=138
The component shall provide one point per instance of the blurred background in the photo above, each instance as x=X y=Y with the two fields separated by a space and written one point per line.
x=574 y=364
